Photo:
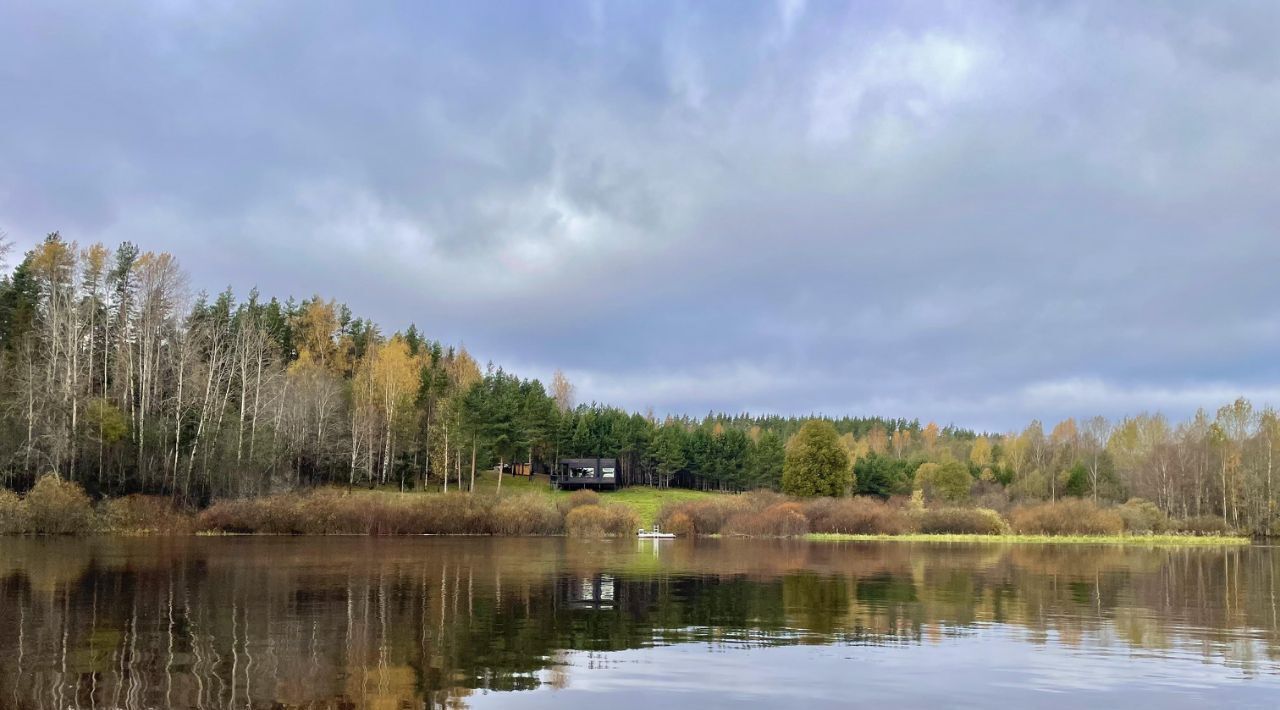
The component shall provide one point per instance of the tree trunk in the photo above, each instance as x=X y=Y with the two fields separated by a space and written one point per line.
x=355 y=448
x=386 y=448
x=1224 y=489
x=244 y=396
x=472 y=488
x=257 y=391
x=177 y=426
x=426 y=451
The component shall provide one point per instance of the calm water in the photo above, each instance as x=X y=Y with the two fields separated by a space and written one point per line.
x=395 y=623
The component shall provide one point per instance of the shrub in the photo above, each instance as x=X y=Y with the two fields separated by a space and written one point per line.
x=681 y=525
x=961 y=521
x=327 y=512
x=860 y=516
x=1142 y=516
x=602 y=521
x=1201 y=525
x=527 y=514
x=453 y=514
x=332 y=512
x=359 y=514
x=1066 y=517
x=58 y=507
x=275 y=515
x=706 y=516
x=12 y=513
x=780 y=520
x=234 y=516
x=579 y=498
x=818 y=509
x=139 y=513
x=279 y=514
x=225 y=516
x=757 y=500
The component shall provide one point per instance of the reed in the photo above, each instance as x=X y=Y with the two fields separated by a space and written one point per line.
x=1208 y=525
x=578 y=499
x=1066 y=517
x=139 y=515
x=601 y=521
x=779 y=520
x=55 y=506
x=861 y=515
x=526 y=514
x=960 y=521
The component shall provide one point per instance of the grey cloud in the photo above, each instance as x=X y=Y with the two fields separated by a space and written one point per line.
x=978 y=214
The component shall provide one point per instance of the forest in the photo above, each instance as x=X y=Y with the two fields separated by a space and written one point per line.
x=116 y=377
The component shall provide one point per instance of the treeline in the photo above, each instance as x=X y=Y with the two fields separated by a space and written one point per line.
x=114 y=376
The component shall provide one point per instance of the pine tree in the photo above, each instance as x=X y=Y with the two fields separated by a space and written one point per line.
x=815 y=463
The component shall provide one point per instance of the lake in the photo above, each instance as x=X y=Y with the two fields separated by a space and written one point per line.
x=355 y=622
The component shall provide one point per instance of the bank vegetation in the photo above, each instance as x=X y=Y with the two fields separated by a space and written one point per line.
x=58 y=507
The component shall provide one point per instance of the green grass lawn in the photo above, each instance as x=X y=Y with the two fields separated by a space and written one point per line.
x=487 y=482
x=646 y=501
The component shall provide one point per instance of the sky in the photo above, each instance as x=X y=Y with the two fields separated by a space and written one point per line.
x=967 y=212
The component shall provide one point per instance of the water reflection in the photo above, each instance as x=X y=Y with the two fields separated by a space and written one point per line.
x=357 y=622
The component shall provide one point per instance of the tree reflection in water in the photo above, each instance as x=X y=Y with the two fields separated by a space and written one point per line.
x=356 y=622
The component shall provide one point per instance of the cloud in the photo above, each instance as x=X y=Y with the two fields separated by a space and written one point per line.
x=892 y=87
x=977 y=214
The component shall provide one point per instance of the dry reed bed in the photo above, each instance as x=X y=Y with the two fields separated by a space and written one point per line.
x=55 y=506
x=772 y=515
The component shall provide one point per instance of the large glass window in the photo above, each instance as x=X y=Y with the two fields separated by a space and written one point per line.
x=608 y=471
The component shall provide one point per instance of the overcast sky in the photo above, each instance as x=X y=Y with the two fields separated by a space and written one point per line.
x=967 y=212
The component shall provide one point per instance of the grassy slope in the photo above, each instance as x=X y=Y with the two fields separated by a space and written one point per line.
x=647 y=501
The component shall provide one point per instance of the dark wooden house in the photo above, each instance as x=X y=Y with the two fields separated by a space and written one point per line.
x=525 y=469
x=586 y=473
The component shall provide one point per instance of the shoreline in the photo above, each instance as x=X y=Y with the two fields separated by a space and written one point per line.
x=1137 y=540
x=928 y=538
x=56 y=507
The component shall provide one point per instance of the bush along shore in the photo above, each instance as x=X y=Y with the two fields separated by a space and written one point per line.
x=57 y=507
x=762 y=514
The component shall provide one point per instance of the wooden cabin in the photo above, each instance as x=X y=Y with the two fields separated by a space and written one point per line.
x=586 y=473
x=523 y=468
x=528 y=469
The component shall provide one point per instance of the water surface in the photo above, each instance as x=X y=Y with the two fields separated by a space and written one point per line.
x=413 y=622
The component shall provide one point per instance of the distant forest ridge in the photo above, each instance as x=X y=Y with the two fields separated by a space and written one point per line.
x=112 y=377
